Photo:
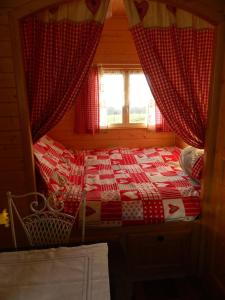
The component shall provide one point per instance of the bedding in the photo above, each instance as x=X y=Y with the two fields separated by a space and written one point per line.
x=192 y=162
x=125 y=186
x=74 y=273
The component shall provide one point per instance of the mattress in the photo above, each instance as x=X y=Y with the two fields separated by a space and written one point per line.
x=75 y=273
x=123 y=186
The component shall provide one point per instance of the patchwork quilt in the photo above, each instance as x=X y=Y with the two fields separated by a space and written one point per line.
x=124 y=186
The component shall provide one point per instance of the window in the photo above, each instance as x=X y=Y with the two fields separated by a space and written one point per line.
x=125 y=99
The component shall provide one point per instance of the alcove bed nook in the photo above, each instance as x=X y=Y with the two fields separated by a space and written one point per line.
x=175 y=233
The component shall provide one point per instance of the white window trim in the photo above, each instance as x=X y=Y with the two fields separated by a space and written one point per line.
x=125 y=110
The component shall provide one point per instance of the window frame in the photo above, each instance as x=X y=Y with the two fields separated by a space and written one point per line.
x=125 y=109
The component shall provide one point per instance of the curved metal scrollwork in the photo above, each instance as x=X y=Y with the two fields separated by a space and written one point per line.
x=47 y=224
x=51 y=202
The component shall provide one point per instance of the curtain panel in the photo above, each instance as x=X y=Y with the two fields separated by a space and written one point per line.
x=59 y=45
x=176 y=52
x=87 y=108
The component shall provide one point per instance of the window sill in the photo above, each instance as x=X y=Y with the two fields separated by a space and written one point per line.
x=133 y=126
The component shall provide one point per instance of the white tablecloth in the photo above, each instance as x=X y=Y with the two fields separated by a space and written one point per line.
x=73 y=273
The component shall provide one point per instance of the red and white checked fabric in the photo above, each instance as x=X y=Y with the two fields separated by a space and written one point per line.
x=124 y=186
x=176 y=53
x=57 y=58
x=87 y=109
x=178 y=63
x=197 y=168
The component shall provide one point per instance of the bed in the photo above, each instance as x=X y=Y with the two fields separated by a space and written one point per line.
x=142 y=198
x=78 y=273
x=123 y=186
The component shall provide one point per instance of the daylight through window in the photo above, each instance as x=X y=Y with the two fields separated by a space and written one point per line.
x=125 y=99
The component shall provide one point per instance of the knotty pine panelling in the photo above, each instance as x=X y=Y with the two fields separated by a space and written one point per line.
x=136 y=137
x=12 y=175
x=116 y=44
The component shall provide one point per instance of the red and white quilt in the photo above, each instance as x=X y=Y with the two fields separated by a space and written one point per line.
x=138 y=186
x=124 y=186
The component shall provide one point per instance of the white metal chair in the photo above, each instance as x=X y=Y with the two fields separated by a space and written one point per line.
x=47 y=224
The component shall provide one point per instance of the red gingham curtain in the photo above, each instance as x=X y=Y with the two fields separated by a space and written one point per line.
x=160 y=122
x=87 y=110
x=59 y=45
x=176 y=53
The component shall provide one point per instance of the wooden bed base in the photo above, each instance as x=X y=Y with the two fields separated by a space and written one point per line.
x=153 y=251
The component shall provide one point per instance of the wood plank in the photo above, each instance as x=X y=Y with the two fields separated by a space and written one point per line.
x=13 y=3
x=7 y=80
x=9 y=123
x=8 y=110
x=5 y=49
x=4 y=33
x=11 y=178
x=116 y=23
x=6 y=65
x=11 y=164
x=10 y=137
x=8 y=95
x=4 y=20
x=116 y=59
x=179 y=142
x=11 y=151
x=27 y=147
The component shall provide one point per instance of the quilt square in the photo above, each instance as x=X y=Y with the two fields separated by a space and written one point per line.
x=153 y=211
x=173 y=209
x=132 y=210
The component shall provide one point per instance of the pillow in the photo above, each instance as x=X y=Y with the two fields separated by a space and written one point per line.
x=191 y=161
x=198 y=168
x=52 y=159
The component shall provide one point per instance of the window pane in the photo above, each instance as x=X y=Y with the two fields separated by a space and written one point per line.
x=111 y=99
x=141 y=100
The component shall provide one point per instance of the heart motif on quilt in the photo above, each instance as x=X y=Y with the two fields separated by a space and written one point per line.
x=93 y=5
x=142 y=8
x=173 y=208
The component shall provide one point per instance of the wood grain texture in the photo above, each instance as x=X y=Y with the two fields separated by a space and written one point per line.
x=135 y=137
x=179 y=142
x=5 y=49
x=10 y=137
x=4 y=33
x=9 y=110
x=7 y=80
x=116 y=44
x=6 y=65
x=7 y=94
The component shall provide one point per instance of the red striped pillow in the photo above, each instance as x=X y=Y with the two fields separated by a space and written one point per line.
x=198 y=168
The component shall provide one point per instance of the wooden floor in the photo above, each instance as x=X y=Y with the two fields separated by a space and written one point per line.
x=169 y=289
x=165 y=289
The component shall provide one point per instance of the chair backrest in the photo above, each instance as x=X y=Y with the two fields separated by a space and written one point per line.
x=46 y=225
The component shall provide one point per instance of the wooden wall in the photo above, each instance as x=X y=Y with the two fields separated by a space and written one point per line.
x=138 y=137
x=116 y=45
x=12 y=166
x=16 y=168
